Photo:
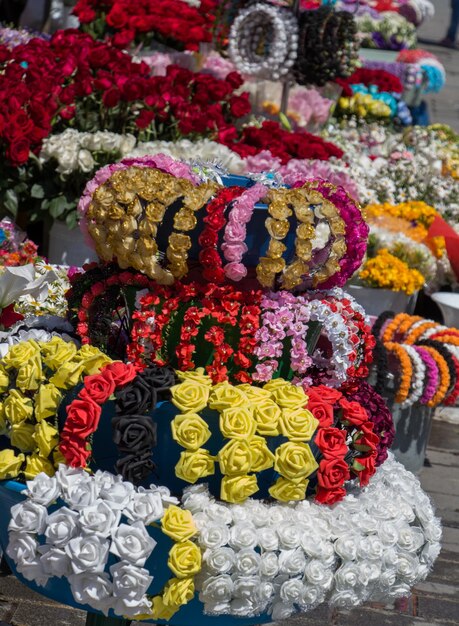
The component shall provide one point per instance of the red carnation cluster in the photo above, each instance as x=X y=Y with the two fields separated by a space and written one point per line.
x=281 y=143
x=171 y=21
x=384 y=81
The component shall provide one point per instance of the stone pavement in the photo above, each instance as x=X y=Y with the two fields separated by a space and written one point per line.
x=434 y=602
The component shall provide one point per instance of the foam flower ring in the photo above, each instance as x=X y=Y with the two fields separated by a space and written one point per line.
x=406 y=369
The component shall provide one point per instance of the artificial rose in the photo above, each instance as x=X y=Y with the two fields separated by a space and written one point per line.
x=236 y=489
x=4 y=379
x=160 y=378
x=322 y=411
x=322 y=393
x=286 y=490
x=98 y=388
x=68 y=375
x=55 y=561
x=267 y=415
x=17 y=407
x=115 y=491
x=214 y=535
x=22 y=547
x=28 y=517
x=178 y=591
x=262 y=457
x=236 y=457
x=333 y=473
x=184 y=559
x=57 y=351
x=145 y=506
x=353 y=412
x=217 y=590
x=121 y=373
x=74 y=450
x=161 y=610
x=135 y=398
x=198 y=375
x=47 y=400
x=21 y=436
x=43 y=489
x=93 y=359
x=94 y=589
x=36 y=464
x=194 y=465
x=332 y=442
x=330 y=496
x=237 y=422
x=132 y=543
x=365 y=467
x=289 y=397
x=294 y=460
x=298 y=424
x=225 y=396
x=366 y=441
x=133 y=433
x=254 y=394
x=178 y=524
x=130 y=583
x=46 y=438
x=87 y=553
x=20 y=353
x=190 y=396
x=99 y=519
x=134 y=467
x=82 y=418
x=220 y=560
x=30 y=374
x=190 y=430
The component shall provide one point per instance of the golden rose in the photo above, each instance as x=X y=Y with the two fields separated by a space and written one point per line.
x=178 y=591
x=235 y=457
x=298 y=424
x=57 y=352
x=288 y=490
x=46 y=438
x=237 y=489
x=254 y=394
x=184 y=559
x=178 y=523
x=10 y=464
x=190 y=396
x=237 y=423
x=21 y=436
x=224 y=396
x=47 y=400
x=21 y=353
x=4 y=379
x=68 y=375
x=289 y=396
x=198 y=375
x=262 y=457
x=195 y=465
x=36 y=464
x=190 y=430
x=160 y=610
x=294 y=460
x=17 y=407
x=30 y=374
x=92 y=358
x=267 y=415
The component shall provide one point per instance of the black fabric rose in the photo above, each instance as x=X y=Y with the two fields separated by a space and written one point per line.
x=133 y=433
x=139 y=396
x=136 y=467
x=160 y=378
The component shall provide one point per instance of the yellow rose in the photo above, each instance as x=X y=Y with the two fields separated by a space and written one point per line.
x=287 y=490
x=21 y=353
x=190 y=396
x=30 y=374
x=275 y=383
x=178 y=591
x=224 y=396
x=195 y=465
x=47 y=401
x=178 y=523
x=58 y=458
x=190 y=430
x=3 y=423
x=46 y=437
x=267 y=415
x=184 y=559
x=298 y=424
x=160 y=610
x=21 y=437
x=237 y=423
x=290 y=397
x=235 y=457
x=92 y=358
x=17 y=407
x=262 y=457
x=36 y=464
x=10 y=464
x=4 y=379
x=57 y=352
x=198 y=376
x=255 y=394
x=236 y=489
x=295 y=460
x=68 y=375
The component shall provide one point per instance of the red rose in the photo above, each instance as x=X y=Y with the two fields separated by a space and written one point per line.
x=332 y=442
x=214 y=275
x=145 y=118
x=353 y=412
x=98 y=387
x=333 y=473
x=326 y=394
x=82 y=418
x=240 y=105
x=117 y=18
x=208 y=238
x=68 y=113
x=235 y=80
x=123 y=39
x=322 y=412
x=18 y=151
x=74 y=451
x=209 y=257
x=111 y=98
x=365 y=467
x=367 y=441
x=330 y=496
x=121 y=373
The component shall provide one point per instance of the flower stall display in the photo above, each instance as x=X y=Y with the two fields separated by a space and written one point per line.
x=385 y=30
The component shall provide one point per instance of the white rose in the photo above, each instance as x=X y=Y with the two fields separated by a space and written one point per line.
x=430 y=552
x=118 y=493
x=366 y=523
x=55 y=561
x=219 y=560
x=132 y=543
x=346 y=547
x=22 y=548
x=265 y=592
x=388 y=533
x=319 y=548
x=410 y=538
x=370 y=547
x=310 y=596
x=268 y=539
x=87 y=554
x=165 y=494
x=389 y=557
x=145 y=506
x=247 y=562
x=277 y=514
x=244 y=607
x=127 y=144
x=243 y=536
x=217 y=589
x=213 y=535
x=99 y=519
x=291 y=590
x=196 y=498
x=240 y=513
x=269 y=564
x=79 y=490
x=406 y=511
x=130 y=583
x=407 y=566
x=68 y=159
x=433 y=531
x=103 y=480
x=387 y=578
x=246 y=587
x=292 y=562
x=43 y=489
x=369 y=571
x=33 y=570
x=345 y=599
x=258 y=513
x=94 y=589
x=217 y=608
x=85 y=161
x=62 y=525
x=281 y=611
x=28 y=517
x=219 y=513
x=347 y=576
x=317 y=574
x=289 y=535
